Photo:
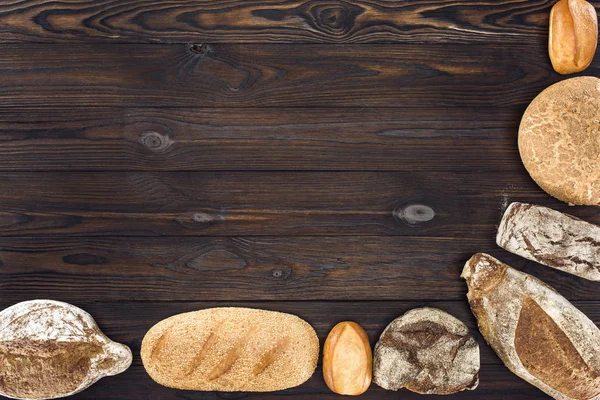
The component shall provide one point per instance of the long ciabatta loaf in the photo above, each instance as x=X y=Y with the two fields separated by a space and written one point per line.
x=539 y=335
x=551 y=238
x=230 y=350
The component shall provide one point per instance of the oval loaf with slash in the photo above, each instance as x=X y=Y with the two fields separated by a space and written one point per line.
x=539 y=335
x=50 y=349
x=347 y=359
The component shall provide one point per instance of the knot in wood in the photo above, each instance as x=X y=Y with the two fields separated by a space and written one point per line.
x=203 y=217
x=155 y=141
x=200 y=220
x=200 y=49
x=335 y=18
x=217 y=260
x=414 y=214
x=281 y=273
x=10 y=218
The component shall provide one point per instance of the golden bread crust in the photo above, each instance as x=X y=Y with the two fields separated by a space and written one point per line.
x=231 y=349
x=559 y=140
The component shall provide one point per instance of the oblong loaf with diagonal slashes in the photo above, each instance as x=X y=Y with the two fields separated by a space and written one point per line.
x=539 y=335
x=50 y=349
x=551 y=238
x=230 y=350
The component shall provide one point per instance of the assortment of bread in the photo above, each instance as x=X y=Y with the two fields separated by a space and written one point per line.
x=50 y=349
x=539 y=335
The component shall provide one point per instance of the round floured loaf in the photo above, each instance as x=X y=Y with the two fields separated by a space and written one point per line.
x=427 y=351
x=50 y=349
x=230 y=350
x=559 y=140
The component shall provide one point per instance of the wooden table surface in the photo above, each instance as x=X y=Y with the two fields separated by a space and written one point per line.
x=339 y=160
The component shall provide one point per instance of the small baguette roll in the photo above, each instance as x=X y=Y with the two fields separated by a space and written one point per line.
x=551 y=238
x=573 y=35
x=347 y=359
x=537 y=333
x=230 y=350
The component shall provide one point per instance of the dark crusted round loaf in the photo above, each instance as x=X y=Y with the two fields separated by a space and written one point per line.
x=426 y=351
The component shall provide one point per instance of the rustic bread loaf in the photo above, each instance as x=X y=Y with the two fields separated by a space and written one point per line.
x=347 y=359
x=551 y=238
x=559 y=140
x=50 y=349
x=539 y=335
x=231 y=349
x=426 y=351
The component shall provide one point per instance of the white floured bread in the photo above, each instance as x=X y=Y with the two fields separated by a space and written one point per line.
x=230 y=350
x=559 y=140
x=551 y=238
x=539 y=335
x=50 y=349
x=427 y=351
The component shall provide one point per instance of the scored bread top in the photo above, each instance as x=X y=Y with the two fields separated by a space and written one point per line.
x=537 y=333
x=231 y=349
x=427 y=351
x=50 y=349
x=559 y=140
x=552 y=238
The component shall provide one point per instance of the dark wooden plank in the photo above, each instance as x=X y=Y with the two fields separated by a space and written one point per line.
x=394 y=76
x=465 y=204
x=295 y=21
x=127 y=323
x=242 y=139
x=496 y=383
x=252 y=268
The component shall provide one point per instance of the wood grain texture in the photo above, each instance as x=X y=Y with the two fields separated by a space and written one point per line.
x=253 y=268
x=335 y=159
x=497 y=383
x=153 y=139
x=388 y=76
x=127 y=323
x=295 y=21
x=451 y=204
